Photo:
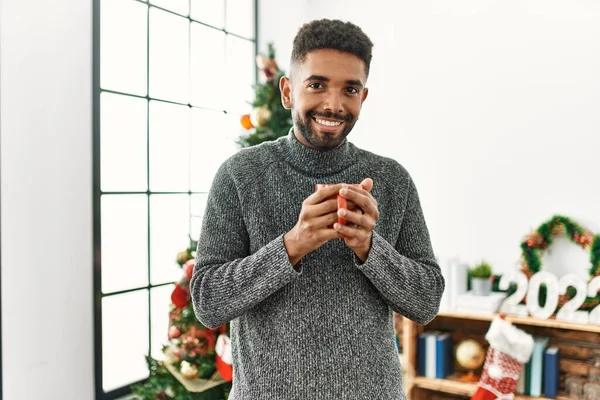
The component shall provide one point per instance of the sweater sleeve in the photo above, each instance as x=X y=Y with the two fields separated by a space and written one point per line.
x=227 y=279
x=407 y=274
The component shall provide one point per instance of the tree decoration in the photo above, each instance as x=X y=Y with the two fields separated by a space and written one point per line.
x=535 y=243
x=268 y=119
x=192 y=369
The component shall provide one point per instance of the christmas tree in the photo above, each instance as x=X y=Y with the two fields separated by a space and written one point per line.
x=197 y=360
x=268 y=119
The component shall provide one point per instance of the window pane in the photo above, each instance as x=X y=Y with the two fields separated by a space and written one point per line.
x=124 y=339
x=240 y=73
x=212 y=139
x=169 y=56
x=198 y=205
x=178 y=6
x=160 y=301
x=207 y=67
x=211 y=12
x=239 y=17
x=124 y=242
x=169 y=147
x=123 y=143
x=123 y=46
x=169 y=230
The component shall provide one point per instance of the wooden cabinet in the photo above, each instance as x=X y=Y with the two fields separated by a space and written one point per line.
x=574 y=340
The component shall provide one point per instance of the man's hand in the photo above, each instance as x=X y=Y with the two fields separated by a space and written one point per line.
x=359 y=230
x=315 y=223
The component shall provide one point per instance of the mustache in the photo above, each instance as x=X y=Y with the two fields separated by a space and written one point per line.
x=330 y=115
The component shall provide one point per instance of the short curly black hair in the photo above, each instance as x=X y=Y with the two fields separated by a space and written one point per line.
x=335 y=35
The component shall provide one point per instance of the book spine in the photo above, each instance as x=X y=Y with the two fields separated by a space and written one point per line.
x=421 y=349
x=551 y=373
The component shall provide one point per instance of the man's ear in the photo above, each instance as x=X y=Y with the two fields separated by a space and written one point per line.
x=286 y=92
x=364 y=95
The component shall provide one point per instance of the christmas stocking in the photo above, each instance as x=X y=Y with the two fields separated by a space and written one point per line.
x=509 y=349
x=224 y=359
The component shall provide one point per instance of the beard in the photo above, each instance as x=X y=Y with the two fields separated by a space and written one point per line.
x=325 y=140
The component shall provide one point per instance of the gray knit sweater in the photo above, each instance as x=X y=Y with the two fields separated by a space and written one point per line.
x=325 y=331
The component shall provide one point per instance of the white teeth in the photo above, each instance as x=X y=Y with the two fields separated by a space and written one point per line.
x=328 y=123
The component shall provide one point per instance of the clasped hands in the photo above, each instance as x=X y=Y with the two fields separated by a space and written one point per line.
x=317 y=222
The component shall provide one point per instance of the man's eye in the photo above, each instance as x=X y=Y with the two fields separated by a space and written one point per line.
x=352 y=90
x=316 y=85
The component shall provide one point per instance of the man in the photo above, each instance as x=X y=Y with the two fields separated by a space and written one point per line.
x=310 y=300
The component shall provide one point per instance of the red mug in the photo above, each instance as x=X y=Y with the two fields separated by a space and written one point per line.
x=341 y=200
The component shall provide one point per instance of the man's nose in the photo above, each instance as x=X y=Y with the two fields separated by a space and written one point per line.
x=333 y=103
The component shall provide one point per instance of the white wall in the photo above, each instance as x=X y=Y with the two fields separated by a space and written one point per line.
x=278 y=22
x=46 y=156
x=493 y=108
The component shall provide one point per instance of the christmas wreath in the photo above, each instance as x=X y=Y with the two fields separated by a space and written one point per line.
x=536 y=242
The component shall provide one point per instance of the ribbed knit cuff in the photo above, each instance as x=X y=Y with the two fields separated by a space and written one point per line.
x=379 y=255
x=279 y=257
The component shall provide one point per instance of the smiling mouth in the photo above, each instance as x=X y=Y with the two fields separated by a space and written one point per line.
x=327 y=122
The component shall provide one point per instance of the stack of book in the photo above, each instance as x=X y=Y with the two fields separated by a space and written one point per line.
x=541 y=374
x=469 y=303
x=435 y=358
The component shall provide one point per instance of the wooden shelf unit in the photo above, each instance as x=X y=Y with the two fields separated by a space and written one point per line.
x=549 y=323
x=459 y=388
x=574 y=341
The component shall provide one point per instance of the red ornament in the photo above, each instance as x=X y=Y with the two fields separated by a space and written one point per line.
x=193 y=331
x=174 y=332
x=180 y=297
x=210 y=338
x=530 y=243
x=246 y=122
x=268 y=67
x=188 y=268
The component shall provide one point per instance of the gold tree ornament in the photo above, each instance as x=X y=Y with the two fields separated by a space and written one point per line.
x=188 y=371
x=260 y=116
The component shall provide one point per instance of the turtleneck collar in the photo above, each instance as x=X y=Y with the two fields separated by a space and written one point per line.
x=316 y=162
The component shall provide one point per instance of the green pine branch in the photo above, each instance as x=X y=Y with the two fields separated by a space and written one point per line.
x=267 y=94
x=161 y=385
x=595 y=256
